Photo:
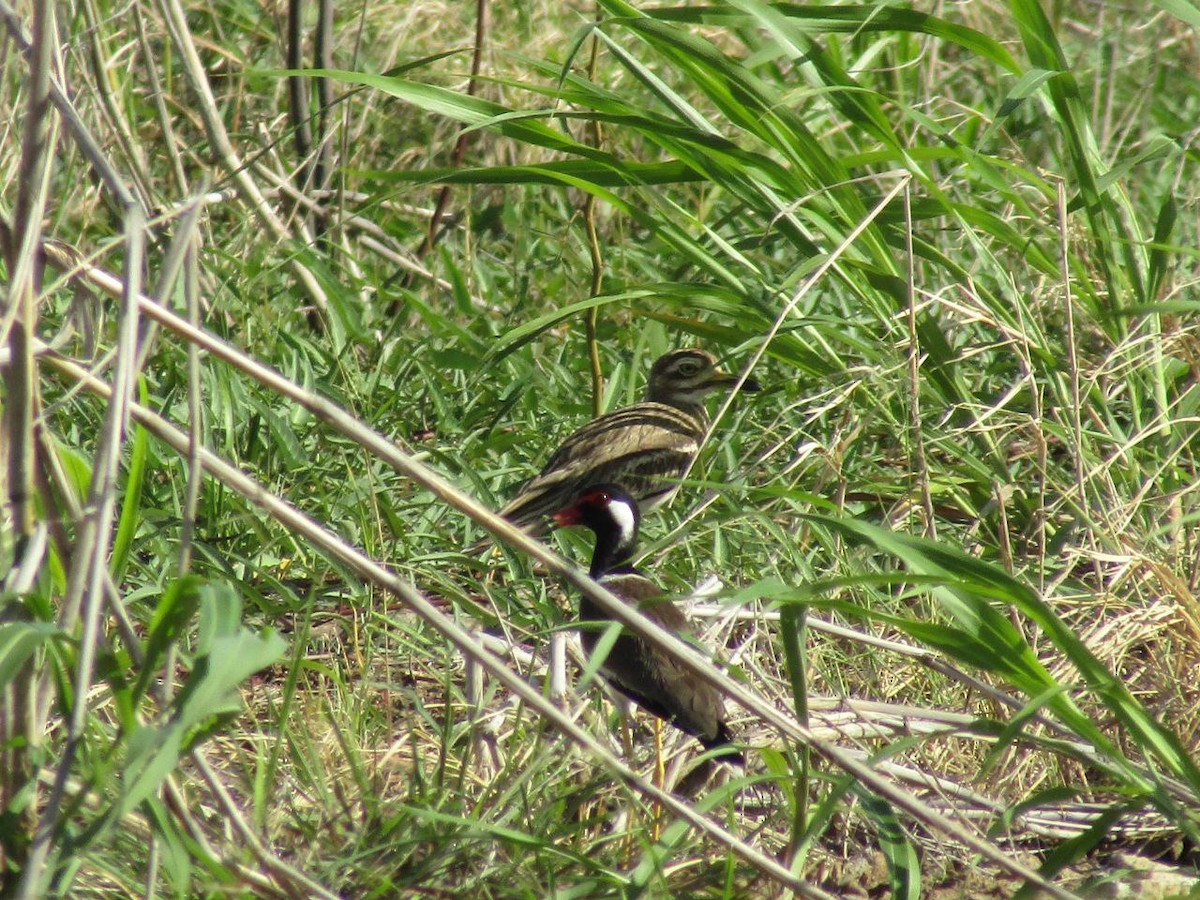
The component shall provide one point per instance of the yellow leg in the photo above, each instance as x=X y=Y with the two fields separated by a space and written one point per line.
x=660 y=778
x=660 y=769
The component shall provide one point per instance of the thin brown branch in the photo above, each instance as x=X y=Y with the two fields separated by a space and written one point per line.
x=206 y=106
x=85 y=584
x=1075 y=412
x=72 y=121
x=589 y=219
x=157 y=95
x=920 y=470
x=323 y=59
x=464 y=137
x=19 y=732
x=297 y=85
x=102 y=66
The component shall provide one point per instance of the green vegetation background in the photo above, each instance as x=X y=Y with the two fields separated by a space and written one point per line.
x=958 y=243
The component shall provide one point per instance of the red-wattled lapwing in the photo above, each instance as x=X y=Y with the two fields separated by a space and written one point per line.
x=646 y=674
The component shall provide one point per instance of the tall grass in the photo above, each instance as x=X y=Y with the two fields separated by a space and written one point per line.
x=242 y=645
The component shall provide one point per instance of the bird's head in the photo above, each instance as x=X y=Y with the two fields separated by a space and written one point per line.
x=612 y=515
x=684 y=377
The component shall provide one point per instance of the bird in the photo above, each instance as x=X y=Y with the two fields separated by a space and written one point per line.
x=640 y=670
x=646 y=447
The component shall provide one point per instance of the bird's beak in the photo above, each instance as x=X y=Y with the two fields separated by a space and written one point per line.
x=728 y=380
x=565 y=517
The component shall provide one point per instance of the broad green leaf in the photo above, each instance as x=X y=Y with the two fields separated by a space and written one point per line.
x=172 y=615
x=227 y=654
x=969 y=589
x=18 y=642
x=131 y=503
x=1181 y=9
x=904 y=866
x=605 y=642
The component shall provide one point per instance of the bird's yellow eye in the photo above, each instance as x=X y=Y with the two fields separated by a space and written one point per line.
x=689 y=367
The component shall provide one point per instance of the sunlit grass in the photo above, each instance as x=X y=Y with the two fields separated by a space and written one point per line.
x=990 y=533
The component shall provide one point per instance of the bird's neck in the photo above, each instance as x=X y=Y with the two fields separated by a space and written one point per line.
x=611 y=555
x=689 y=404
x=615 y=544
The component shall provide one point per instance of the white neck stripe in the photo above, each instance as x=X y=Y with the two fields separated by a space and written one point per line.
x=625 y=519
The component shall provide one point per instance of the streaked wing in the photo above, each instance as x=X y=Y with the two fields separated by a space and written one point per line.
x=641 y=447
x=651 y=424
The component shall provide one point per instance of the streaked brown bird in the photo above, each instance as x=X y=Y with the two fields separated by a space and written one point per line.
x=640 y=670
x=646 y=447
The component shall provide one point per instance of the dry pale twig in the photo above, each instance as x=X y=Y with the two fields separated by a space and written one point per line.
x=72 y=121
x=85 y=583
x=193 y=70
x=20 y=696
